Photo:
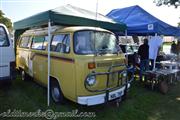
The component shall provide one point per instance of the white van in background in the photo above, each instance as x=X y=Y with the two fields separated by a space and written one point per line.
x=7 y=55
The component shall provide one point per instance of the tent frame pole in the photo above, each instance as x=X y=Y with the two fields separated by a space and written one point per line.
x=154 y=66
x=126 y=39
x=49 y=41
x=126 y=33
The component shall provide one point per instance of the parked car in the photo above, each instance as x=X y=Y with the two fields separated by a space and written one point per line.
x=7 y=55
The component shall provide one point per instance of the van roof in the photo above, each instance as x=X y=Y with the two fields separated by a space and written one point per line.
x=43 y=31
x=78 y=28
x=4 y=26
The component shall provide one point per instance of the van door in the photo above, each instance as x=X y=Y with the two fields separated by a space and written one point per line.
x=6 y=53
x=62 y=64
x=23 y=52
x=39 y=58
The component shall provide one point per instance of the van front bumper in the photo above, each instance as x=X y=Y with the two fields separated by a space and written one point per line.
x=101 y=98
x=11 y=77
x=5 y=78
x=12 y=74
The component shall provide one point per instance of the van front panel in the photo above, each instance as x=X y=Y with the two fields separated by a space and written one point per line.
x=102 y=65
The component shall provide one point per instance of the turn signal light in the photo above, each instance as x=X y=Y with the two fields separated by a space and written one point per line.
x=91 y=65
x=126 y=61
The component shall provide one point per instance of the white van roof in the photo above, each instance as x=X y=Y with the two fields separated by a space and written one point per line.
x=4 y=28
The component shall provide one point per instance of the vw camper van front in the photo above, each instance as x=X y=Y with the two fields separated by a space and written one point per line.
x=101 y=73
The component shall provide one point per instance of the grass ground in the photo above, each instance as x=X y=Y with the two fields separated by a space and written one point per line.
x=141 y=103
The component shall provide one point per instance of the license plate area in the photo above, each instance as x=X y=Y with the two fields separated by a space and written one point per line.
x=115 y=95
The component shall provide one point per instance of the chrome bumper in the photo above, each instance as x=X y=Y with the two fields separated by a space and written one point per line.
x=101 y=98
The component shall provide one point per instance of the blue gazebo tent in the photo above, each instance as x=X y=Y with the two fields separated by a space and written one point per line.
x=140 y=22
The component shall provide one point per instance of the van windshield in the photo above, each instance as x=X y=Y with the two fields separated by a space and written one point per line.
x=95 y=42
x=3 y=37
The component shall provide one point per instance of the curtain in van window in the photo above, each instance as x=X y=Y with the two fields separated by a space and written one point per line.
x=61 y=43
x=24 y=42
x=45 y=42
x=38 y=42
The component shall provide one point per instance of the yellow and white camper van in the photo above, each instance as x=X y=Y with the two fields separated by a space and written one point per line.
x=86 y=65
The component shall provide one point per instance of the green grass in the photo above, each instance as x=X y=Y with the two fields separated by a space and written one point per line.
x=141 y=103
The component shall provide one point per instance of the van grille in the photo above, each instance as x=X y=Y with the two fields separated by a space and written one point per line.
x=105 y=64
x=118 y=62
x=108 y=64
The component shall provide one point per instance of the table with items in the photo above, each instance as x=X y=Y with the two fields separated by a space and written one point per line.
x=170 y=64
x=173 y=67
x=168 y=74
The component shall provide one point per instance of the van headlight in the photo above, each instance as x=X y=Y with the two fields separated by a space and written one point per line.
x=91 y=80
x=124 y=77
x=124 y=74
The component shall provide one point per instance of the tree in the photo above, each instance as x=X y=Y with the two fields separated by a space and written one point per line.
x=175 y=3
x=6 y=21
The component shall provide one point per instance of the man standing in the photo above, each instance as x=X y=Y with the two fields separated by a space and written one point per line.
x=178 y=49
x=155 y=43
x=173 y=48
x=143 y=52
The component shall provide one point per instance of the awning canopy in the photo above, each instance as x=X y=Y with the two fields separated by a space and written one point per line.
x=69 y=16
x=140 y=22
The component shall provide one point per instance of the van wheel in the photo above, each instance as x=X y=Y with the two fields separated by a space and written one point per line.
x=8 y=82
x=24 y=75
x=56 y=92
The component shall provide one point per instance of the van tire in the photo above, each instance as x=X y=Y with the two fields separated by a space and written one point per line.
x=7 y=82
x=56 y=92
x=24 y=75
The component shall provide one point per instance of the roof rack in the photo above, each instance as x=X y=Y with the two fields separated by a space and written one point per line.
x=42 y=30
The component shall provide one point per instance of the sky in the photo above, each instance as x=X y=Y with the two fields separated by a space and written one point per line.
x=19 y=9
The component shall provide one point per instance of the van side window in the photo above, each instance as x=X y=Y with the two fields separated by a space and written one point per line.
x=61 y=43
x=24 y=42
x=3 y=37
x=45 y=42
x=37 y=42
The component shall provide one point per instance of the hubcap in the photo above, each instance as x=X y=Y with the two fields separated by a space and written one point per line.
x=22 y=75
x=55 y=94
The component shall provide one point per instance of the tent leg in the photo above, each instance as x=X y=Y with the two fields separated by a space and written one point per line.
x=126 y=39
x=154 y=66
x=126 y=33
x=49 y=41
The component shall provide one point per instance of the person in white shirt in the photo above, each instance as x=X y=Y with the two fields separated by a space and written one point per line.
x=155 y=43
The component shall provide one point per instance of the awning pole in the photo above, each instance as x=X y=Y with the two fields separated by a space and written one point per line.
x=49 y=41
x=154 y=66
x=96 y=9
x=126 y=34
x=126 y=40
